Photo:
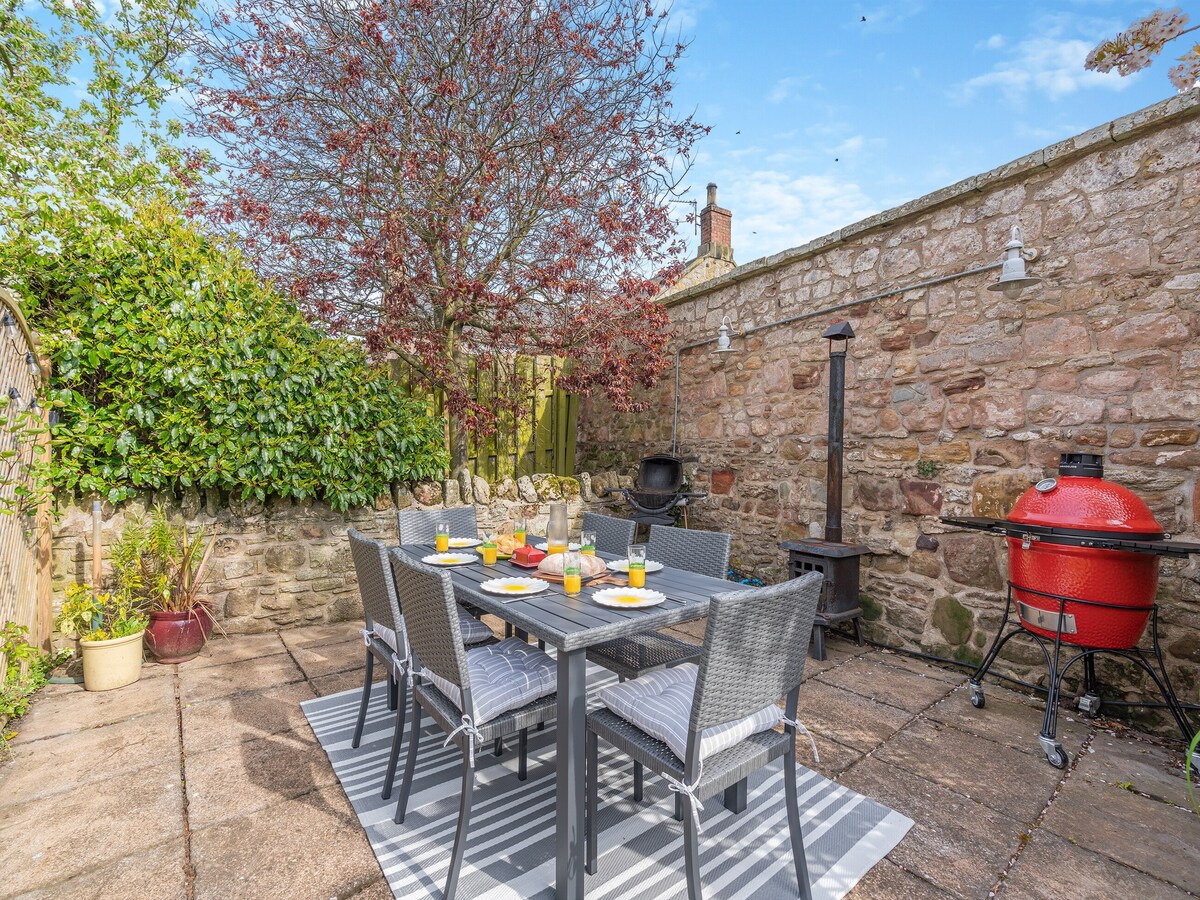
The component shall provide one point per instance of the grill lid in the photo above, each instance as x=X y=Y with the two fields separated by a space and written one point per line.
x=1080 y=501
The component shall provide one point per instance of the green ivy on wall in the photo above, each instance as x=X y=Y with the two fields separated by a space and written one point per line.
x=174 y=367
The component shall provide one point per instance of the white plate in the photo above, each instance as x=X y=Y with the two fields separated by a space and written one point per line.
x=614 y=597
x=544 y=546
x=464 y=543
x=450 y=559
x=514 y=587
x=622 y=565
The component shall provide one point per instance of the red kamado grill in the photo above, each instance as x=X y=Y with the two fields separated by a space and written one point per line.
x=1083 y=563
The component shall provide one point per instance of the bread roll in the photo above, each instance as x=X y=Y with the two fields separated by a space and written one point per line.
x=553 y=565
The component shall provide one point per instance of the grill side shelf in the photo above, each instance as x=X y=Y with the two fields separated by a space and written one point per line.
x=1073 y=538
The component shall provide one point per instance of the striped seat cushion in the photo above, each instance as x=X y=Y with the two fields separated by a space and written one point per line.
x=660 y=704
x=503 y=676
x=473 y=631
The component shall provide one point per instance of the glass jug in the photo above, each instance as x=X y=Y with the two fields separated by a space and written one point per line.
x=556 y=530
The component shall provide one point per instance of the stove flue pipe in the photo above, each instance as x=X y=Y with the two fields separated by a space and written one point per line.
x=839 y=335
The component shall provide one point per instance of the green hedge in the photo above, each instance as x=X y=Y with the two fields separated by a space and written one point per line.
x=174 y=367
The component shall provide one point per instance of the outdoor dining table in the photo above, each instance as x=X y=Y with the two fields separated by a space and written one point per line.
x=570 y=625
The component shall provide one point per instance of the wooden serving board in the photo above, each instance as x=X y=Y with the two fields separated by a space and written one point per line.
x=606 y=578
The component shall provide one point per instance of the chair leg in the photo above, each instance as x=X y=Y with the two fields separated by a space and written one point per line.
x=498 y=747
x=397 y=739
x=522 y=754
x=593 y=800
x=793 y=810
x=410 y=765
x=393 y=694
x=678 y=808
x=637 y=782
x=464 y=821
x=691 y=853
x=366 y=700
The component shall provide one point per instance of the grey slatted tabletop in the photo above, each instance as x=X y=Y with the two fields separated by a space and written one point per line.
x=571 y=625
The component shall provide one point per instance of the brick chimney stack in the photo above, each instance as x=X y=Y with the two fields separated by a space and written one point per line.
x=714 y=229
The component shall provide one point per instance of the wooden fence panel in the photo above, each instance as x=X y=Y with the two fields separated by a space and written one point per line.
x=540 y=439
x=24 y=539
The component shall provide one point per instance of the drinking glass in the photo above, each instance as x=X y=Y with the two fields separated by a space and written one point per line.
x=587 y=543
x=556 y=529
x=442 y=537
x=520 y=529
x=637 y=565
x=572 y=569
x=489 y=550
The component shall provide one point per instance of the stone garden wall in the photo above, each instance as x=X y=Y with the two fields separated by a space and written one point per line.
x=958 y=398
x=284 y=563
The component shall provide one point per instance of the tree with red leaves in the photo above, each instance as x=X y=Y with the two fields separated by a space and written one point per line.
x=464 y=183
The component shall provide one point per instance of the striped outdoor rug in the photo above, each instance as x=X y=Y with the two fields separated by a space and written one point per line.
x=510 y=848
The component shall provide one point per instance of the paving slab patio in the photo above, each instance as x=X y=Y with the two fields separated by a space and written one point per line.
x=265 y=817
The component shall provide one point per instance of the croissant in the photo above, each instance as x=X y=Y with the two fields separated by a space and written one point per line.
x=553 y=565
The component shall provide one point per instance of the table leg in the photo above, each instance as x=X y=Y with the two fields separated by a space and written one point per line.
x=735 y=797
x=572 y=774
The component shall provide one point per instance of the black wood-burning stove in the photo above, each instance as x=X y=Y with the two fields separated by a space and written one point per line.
x=837 y=560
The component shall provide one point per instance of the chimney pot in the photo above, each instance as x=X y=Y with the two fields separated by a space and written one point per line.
x=712 y=194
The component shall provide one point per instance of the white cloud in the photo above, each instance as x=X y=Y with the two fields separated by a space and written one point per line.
x=1049 y=66
x=995 y=42
x=850 y=145
x=787 y=210
x=786 y=89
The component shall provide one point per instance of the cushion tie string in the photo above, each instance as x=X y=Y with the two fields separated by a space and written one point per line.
x=468 y=728
x=366 y=635
x=798 y=727
x=678 y=786
x=401 y=669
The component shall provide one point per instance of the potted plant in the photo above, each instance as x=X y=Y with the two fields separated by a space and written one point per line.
x=109 y=627
x=162 y=567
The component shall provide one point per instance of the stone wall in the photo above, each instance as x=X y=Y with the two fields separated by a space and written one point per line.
x=284 y=563
x=958 y=397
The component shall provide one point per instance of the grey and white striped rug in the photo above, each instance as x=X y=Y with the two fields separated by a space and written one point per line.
x=510 y=847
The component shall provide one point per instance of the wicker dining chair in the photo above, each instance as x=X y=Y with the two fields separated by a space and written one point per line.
x=613 y=535
x=419 y=526
x=475 y=695
x=385 y=639
x=755 y=646
x=703 y=552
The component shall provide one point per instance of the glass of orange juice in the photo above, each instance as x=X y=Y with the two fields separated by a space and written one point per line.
x=572 y=569
x=587 y=543
x=637 y=565
x=442 y=537
x=489 y=549
x=520 y=529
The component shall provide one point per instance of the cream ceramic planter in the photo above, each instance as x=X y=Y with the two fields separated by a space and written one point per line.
x=112 y=664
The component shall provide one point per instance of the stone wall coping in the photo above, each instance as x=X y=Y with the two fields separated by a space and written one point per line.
x=1135 y=124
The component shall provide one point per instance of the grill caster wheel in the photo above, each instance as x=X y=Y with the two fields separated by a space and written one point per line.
x=1057 y=757
x=977 y=699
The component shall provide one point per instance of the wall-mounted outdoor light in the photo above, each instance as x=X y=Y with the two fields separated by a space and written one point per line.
x=723 y=341
x=1013 y=278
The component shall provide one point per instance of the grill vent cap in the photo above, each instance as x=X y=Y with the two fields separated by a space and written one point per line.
x=1081 y=465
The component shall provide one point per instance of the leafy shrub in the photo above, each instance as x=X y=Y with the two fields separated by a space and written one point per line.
x=27 y=670
x=175 y=367
x=94 y=616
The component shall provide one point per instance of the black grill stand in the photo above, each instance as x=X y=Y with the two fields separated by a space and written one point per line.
x=1089 y=703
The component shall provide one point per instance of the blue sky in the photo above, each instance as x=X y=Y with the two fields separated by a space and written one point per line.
x=840 y=118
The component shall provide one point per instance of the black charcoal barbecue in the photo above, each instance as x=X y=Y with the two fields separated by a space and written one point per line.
x=658 y=491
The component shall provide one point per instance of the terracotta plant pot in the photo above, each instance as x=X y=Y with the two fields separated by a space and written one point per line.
x=175 y=637
x=112 y=664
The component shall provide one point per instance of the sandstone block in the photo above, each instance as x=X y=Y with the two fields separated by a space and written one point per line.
x=922 y=498
x=970 y=560
x=527 y=491
x=993 y=496
x=882 y=494
x=481 y=490
x=285 y=559
x=951 y=452
x=427 y=493
x=1160 y=437
x=452 y=492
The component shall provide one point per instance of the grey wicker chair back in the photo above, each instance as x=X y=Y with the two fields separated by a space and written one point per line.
x=613 y=535
x=703 y=552
x=419 y=526
x=754 y=650
x=431 y=621
x=375 y=582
